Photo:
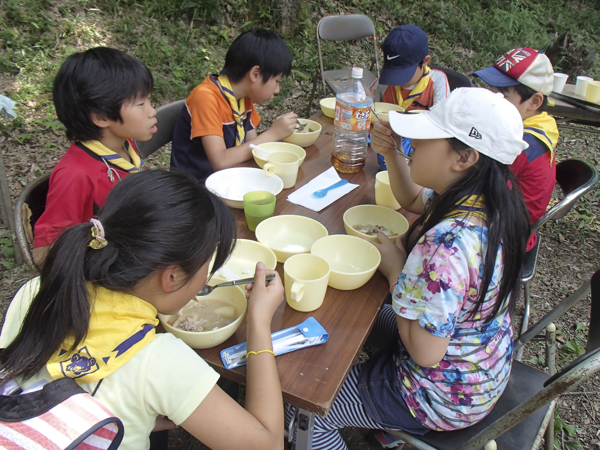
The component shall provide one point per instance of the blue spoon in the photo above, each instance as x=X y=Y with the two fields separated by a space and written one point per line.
x=323 y=192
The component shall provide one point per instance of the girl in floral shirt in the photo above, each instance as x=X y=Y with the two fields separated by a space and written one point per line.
x=447 y=336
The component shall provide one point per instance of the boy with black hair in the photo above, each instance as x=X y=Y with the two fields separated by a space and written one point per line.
x=406 y=79
x=525 y=76
x=102 y=97
x=219 y=121
x=406 y=76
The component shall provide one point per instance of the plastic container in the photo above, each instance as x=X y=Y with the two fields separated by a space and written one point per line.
x=352 y=123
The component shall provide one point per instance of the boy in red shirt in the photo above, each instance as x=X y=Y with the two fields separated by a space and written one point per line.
x=525 y=77
x=102 y=97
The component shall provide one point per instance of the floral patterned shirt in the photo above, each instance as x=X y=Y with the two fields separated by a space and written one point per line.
x=439 y=287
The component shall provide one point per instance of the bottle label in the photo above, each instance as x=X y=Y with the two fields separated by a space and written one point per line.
x=353 y=117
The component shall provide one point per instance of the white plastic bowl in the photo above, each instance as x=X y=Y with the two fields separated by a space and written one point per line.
x=231 y=184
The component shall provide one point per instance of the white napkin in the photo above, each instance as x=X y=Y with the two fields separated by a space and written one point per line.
x=304 y=197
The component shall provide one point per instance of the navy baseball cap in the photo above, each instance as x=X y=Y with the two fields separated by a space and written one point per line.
x=403 y=49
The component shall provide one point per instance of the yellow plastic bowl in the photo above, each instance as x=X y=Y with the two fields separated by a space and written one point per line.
x=289 y=235
x=383 y=110
x=305 y=139
x=261 y=158
x=375 y=215
x=352 y=260
x=242 y=262
x=234 y=296
x=328 y=106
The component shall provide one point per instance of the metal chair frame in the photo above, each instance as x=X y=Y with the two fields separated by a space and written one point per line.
x=167 y=116
x=572 y=188
x=34 y=192
x=519 y=410
x=345 y=28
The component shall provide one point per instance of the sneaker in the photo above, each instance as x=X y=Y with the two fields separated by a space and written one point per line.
x=387 y=440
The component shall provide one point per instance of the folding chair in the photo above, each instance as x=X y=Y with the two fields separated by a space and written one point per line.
x=575 y=177
x=167 y=116
x=345 y=28
x=526 y=408
x=30 y=205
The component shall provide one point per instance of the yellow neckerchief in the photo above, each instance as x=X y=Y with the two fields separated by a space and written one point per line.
x=469 y=206
x=238 y=108
x=416 y=91
x=543 y=127
x=120 y=326
x=472 y=206
x=136 y=164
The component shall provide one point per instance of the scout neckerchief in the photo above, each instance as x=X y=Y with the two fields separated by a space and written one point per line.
x=543 y=127
x=472 y=206
x=120 y=326
x=108 y=156
x=416 y=91
x=238 y=108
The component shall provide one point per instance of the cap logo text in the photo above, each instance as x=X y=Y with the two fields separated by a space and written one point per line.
x=475 y=134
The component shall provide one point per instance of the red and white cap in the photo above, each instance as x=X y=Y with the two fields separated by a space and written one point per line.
x=526 y=66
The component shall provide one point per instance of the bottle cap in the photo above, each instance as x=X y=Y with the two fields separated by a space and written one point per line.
x=357 y=72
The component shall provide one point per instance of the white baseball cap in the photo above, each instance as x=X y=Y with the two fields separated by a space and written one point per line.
x=483 y=120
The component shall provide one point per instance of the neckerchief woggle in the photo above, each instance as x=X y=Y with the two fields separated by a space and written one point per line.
x=238 y=108
x=543 y=127
x=415 y=92
x=120 y=326
x=136 y=164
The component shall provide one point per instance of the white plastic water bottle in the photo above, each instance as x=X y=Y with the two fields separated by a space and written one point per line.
x=352 y=122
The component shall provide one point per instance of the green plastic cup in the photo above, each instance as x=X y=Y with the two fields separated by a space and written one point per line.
x=258 y=206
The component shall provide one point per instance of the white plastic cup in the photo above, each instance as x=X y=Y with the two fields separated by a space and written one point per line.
x=560 y=79
x=581 y=85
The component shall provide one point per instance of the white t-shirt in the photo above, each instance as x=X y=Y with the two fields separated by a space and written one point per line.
x=166 y=377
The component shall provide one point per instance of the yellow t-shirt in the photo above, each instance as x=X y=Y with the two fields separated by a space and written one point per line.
x=166 y=377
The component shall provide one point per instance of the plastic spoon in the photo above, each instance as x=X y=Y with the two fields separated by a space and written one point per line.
x=266 y=152
x=323 y=192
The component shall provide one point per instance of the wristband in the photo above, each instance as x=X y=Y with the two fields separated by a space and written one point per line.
x=392 y=287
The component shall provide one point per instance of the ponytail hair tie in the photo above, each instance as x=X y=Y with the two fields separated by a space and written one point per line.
x=509 y=185
x=98 y=240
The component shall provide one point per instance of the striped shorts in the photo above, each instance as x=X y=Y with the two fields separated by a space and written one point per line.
x=347 y=409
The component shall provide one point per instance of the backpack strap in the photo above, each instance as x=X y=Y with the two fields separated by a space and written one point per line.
x=16 y=408
x=55 y=405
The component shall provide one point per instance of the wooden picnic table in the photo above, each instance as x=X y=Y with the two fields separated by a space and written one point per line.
x=573 y=108
x=311 y=377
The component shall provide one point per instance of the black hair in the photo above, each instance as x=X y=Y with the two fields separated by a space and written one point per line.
x=99 y=80
x=525 y=92
x=151 y=220
x=261 y=48
x=506 y=216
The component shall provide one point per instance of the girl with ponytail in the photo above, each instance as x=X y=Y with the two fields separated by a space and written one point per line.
x=447 y=336
x=93 y=311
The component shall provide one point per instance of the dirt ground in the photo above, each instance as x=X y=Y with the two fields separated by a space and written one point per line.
x=569 y=254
